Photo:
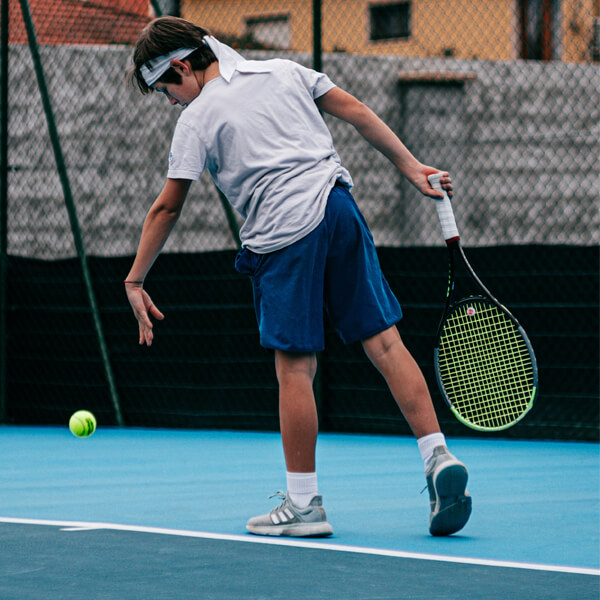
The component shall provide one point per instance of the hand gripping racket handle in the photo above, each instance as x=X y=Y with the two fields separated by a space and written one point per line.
x=444 y=209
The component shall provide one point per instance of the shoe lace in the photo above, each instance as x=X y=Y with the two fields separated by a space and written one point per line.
x=279 y=494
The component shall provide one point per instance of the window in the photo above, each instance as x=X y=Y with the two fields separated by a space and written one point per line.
x=595 y=45
x=271 y=30
x=389 y=21
x=540 y=29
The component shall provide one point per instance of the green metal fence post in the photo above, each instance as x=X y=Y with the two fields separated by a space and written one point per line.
x=318 y=66
x=317 y=49
x=4 y=31
x=156 y=7
x=64 y=179
x=232 y=221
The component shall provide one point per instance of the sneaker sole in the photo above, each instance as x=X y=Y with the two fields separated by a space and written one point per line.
x=295 y=530
x=453 y=504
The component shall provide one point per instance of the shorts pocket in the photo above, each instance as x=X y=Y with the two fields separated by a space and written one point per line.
x=247 y=262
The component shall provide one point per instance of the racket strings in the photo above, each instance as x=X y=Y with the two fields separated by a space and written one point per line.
x=485 y=365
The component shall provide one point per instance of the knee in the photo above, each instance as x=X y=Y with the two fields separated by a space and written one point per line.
x=295 y=365
x=383 y=345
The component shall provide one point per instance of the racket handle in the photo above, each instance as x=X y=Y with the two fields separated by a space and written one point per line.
x=444 y=209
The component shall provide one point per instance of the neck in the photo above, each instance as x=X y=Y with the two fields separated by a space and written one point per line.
x=211 y=72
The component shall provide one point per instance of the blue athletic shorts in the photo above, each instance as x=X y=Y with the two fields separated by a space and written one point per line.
x=335 y=267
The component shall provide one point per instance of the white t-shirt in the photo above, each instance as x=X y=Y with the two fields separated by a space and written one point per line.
x=266 y=146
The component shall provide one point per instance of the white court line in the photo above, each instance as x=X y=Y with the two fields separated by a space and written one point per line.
x=297 y=543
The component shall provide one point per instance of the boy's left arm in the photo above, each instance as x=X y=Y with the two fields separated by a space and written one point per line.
x=345 y=106
x=160 y=220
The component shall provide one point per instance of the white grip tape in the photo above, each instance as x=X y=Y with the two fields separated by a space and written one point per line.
x=444 y=209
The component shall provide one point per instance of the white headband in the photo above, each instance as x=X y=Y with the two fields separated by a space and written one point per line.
x=154 y=69
x=228 y=59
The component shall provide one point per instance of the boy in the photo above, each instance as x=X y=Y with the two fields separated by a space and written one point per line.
x=256 y=126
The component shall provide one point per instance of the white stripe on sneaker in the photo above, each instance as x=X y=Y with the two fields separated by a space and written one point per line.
x=283 y=516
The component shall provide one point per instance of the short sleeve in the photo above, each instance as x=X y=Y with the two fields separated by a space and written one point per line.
x=187 y=158
x=317 y=83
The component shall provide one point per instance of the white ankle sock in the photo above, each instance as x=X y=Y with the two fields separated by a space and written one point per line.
x=301 y=488
x=427 y=443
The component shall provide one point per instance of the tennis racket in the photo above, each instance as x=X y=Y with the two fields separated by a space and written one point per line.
x=484 y=362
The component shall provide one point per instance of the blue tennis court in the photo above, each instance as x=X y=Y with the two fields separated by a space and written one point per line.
x=162 y=513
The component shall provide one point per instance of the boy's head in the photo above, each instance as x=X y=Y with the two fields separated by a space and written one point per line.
x=162 y=36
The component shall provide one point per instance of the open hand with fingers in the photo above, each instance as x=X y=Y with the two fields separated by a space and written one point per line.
x=143 y=309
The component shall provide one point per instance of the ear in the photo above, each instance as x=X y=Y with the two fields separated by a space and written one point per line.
x=182 y=66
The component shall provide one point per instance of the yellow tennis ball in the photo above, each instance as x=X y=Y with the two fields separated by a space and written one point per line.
x=82 y=424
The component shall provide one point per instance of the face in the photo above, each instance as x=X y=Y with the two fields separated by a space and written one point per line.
x=177 y=93
x=180 y=93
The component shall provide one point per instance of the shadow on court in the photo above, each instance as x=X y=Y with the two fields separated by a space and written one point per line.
x=54 y=563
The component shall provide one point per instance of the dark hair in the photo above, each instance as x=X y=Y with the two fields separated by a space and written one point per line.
x=163 y=35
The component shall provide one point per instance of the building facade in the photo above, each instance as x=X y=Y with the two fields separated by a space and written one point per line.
x=564 y=30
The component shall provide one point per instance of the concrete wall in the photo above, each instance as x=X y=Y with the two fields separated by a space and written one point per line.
x=521 y=139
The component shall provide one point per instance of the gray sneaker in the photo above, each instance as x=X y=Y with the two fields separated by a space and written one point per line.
x=450 y=502
x=288 y=520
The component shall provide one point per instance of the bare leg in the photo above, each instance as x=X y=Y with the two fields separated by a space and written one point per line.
x=405 y=380
x=297 y=410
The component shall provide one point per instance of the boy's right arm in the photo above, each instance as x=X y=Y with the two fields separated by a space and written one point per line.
x=159 y=222
x=343 y=105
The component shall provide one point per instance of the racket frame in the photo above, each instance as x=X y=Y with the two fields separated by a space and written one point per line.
x=456 y=255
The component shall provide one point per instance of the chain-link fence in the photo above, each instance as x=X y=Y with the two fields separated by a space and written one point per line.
x=505 y=95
